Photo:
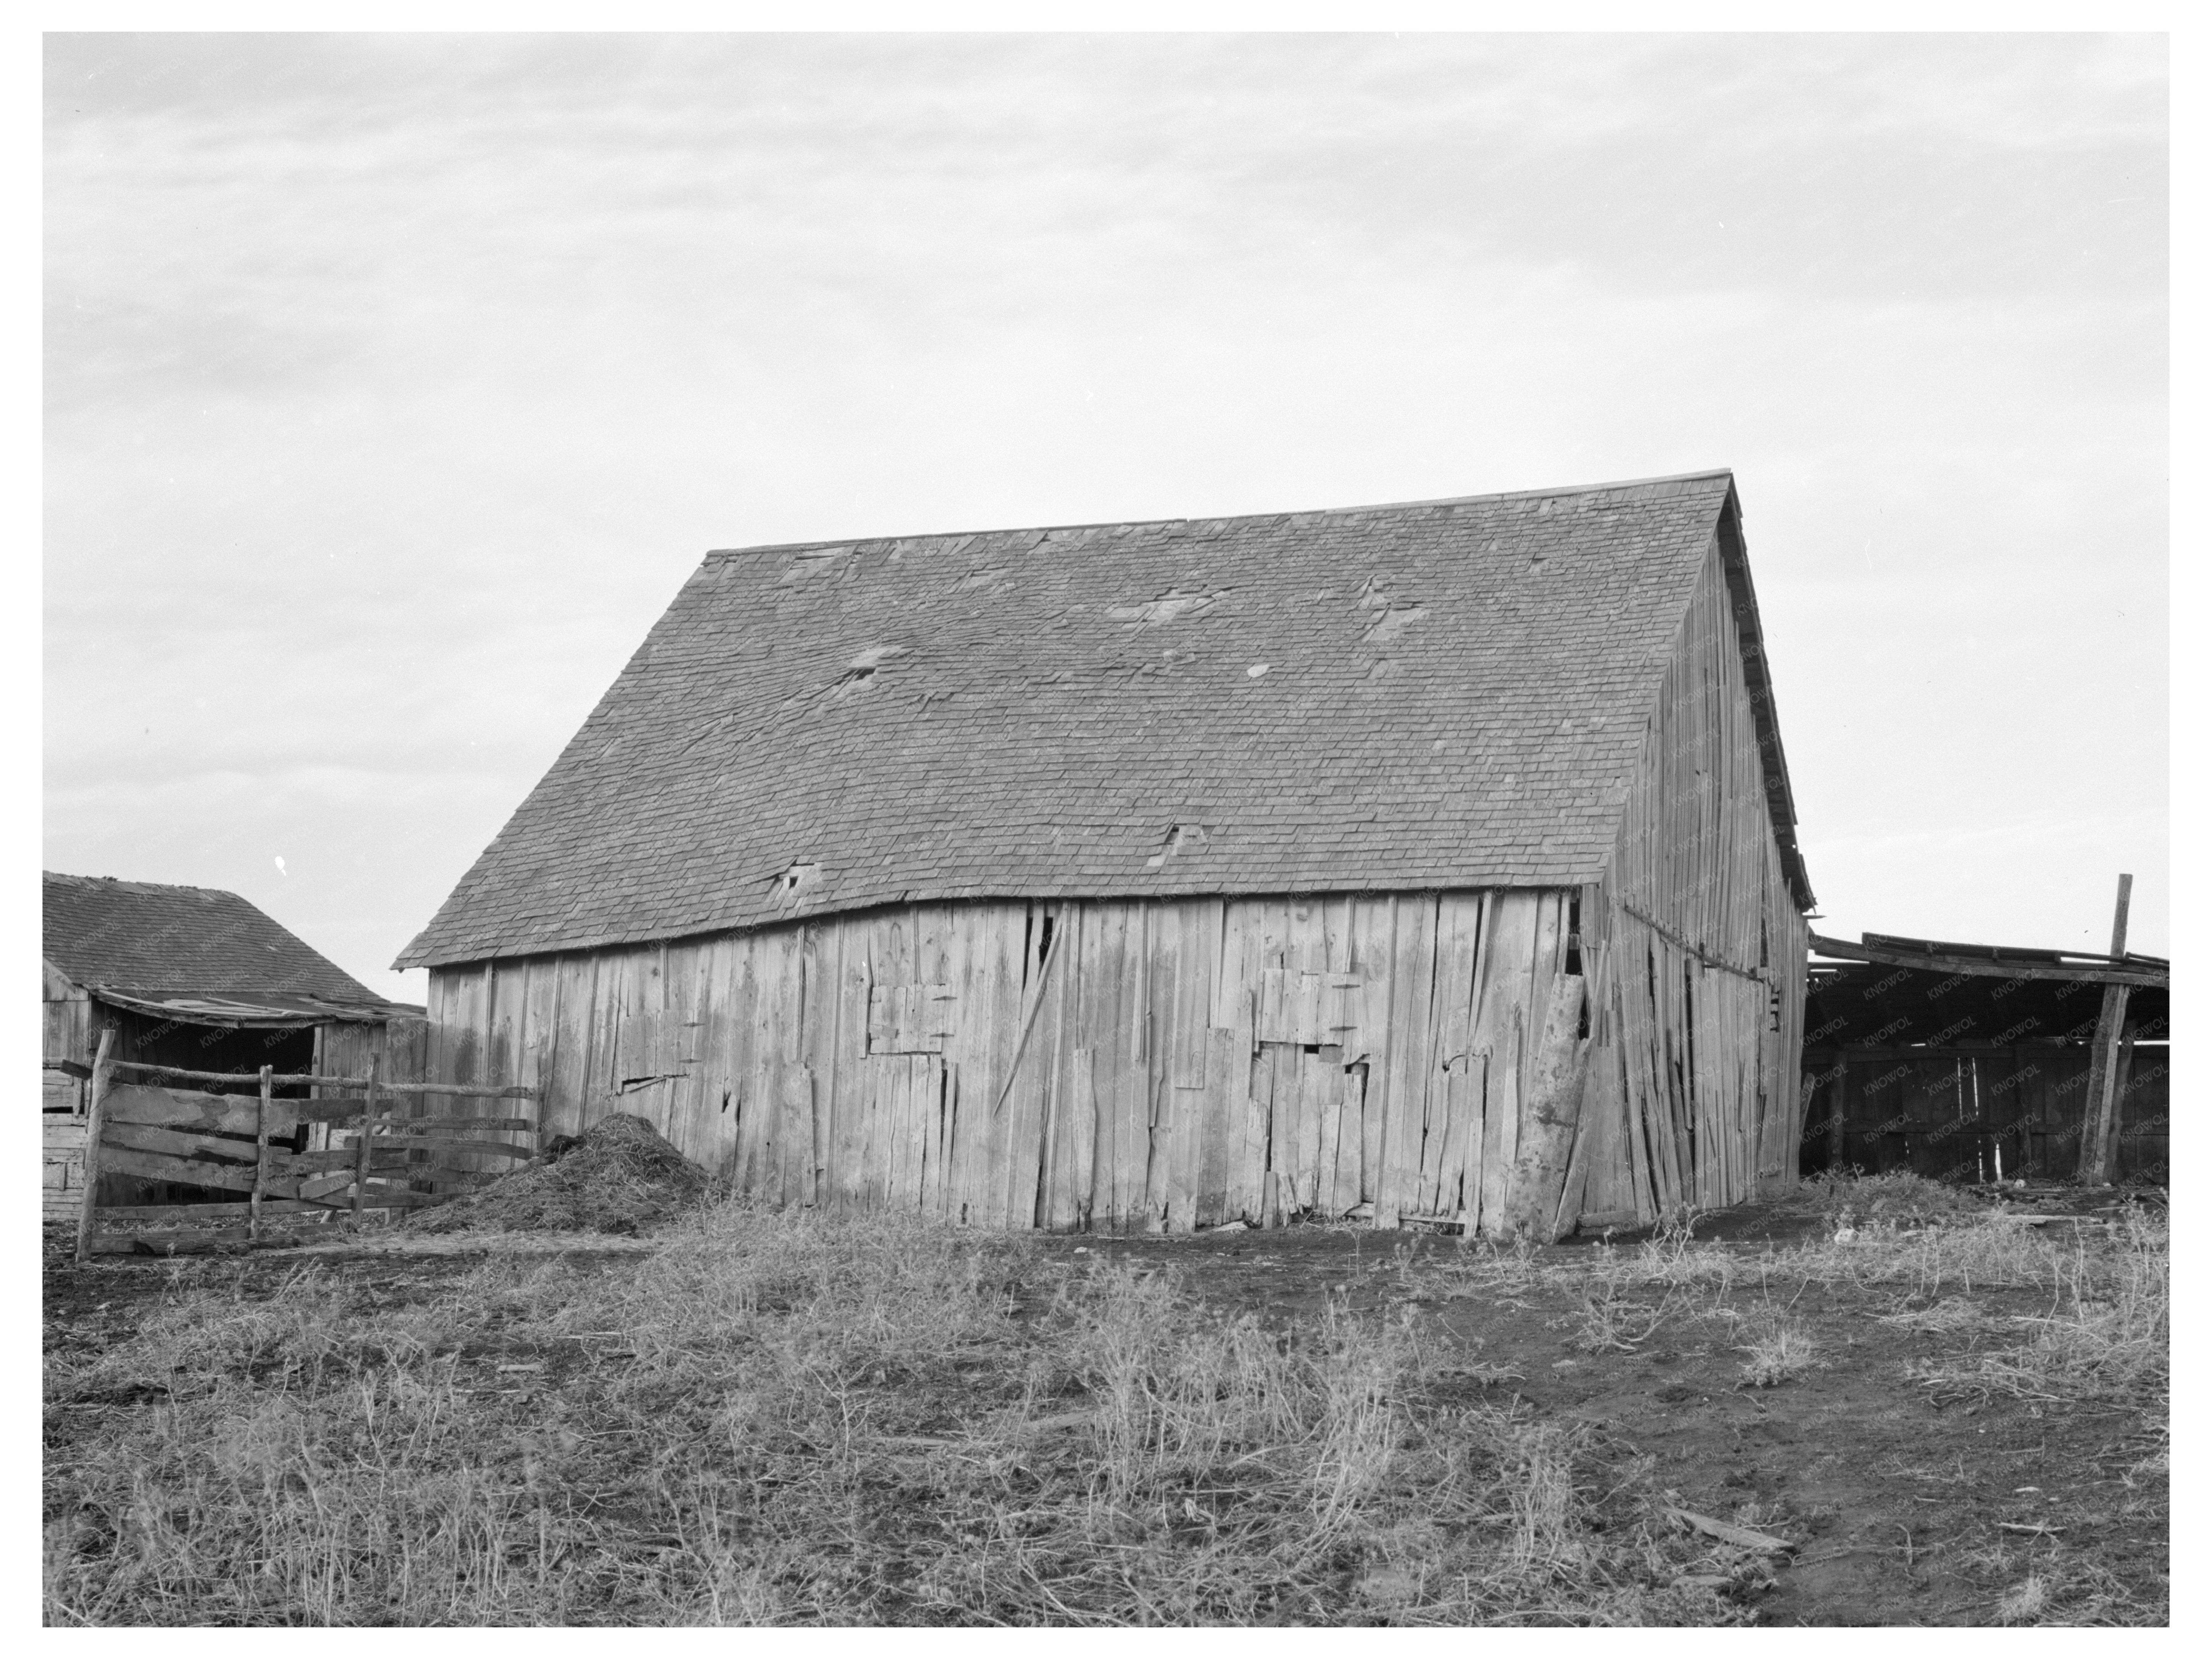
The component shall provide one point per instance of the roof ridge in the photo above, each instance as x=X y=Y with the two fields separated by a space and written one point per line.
x=1551 y=494
x=125 y=881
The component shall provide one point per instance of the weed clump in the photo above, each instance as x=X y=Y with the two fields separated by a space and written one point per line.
x=1779 y=1349
x=1898 y=1199
x=619 y=1177
x=2107 y=1336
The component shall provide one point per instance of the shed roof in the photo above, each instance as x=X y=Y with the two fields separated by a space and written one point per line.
x=159 y=944
x=1430 y=695
x=1891 y=991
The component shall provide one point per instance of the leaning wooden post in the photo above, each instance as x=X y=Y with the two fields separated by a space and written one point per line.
x=367 y=1113
x=2097 y=1111
x=260 y=1160
x=95 y=1120
x=2126 y=1064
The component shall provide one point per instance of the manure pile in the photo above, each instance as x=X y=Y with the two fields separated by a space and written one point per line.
x=619 y=1177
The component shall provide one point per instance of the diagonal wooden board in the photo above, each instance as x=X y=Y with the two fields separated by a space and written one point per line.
x=189 y=1109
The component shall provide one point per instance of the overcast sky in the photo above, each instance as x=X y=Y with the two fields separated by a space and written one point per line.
x=394 y=385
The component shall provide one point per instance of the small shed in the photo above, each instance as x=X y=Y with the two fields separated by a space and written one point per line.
x=190 y=977
x=1972 y=1061
x=1433 y=861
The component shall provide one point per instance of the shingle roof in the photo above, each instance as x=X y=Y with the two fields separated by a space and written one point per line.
x=1440 y=693
x=154 y=941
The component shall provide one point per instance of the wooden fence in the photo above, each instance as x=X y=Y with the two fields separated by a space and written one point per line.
x=386 y=1150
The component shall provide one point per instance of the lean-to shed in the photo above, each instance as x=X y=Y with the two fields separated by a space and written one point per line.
x=1970 y=1061
x=1432 y=859
x=185 y=976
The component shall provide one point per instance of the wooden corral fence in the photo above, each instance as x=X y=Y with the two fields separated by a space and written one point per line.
x=384 y=1149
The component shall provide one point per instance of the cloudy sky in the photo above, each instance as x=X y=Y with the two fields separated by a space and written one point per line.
x=394 y=385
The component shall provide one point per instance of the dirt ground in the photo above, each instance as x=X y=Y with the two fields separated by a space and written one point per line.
x=1904 y=1507
x=1900 y=1504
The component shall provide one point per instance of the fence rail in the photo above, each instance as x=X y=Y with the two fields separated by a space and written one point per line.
x=313 y=1080
x=379 y=1155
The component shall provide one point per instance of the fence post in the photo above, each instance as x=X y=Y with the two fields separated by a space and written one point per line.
x=361 y=1150
x=260 y=1160
x=95 y=1119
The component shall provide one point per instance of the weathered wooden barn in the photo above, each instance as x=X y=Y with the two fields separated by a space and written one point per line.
x=1432 y=860
x=185 y=976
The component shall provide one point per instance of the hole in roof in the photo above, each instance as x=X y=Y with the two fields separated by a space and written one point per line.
x=863 y=667
x=1178 y=837
x=797 y=879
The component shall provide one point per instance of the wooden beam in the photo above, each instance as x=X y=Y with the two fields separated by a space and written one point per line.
x=393 y=1156
x=315 y=1080
x=388 y=1127
x=228 y=1152
x=2126 y=1066
x=124 y=1217
x=1536 y=1179
x=188 y=1109
x=95 y=1120
x=428 y=1140
x=2100 y=1110
x=369 y=1111
x=1840 y=1104
x=260 y=1158
x=2083 y=973
x=160 y=1166
x=290 y=1181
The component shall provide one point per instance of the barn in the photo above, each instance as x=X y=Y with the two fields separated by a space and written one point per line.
x=189 y=977
x=1431 y=860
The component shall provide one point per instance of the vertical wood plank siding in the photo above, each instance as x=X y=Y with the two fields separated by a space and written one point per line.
x=1699 y=1000
x=1163 y=1065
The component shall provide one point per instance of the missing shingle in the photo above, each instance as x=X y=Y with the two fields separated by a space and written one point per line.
x=863 y=668
x=1180 y=837
x=1393 y=623
x=1171 y=605
x=797 y=879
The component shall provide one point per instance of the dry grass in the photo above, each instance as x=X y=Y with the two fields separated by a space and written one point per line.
x=2025 y=1602
x=2107 y=1335
x=792 y=1419
x=1780 y=1349
x=789 y=1418
x=1952 y=1315
x=1899 y=1198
